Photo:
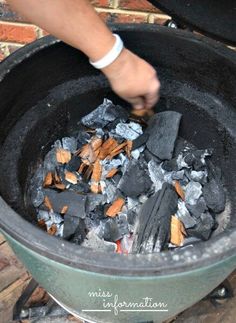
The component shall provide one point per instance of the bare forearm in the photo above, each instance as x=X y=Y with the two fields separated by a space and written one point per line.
x=73 y=21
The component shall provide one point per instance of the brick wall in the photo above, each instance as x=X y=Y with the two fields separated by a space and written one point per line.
x=15 y=32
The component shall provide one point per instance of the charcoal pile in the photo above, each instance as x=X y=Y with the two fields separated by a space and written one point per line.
x=128 y=184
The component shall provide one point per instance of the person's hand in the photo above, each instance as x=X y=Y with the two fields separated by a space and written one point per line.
x=134 y=80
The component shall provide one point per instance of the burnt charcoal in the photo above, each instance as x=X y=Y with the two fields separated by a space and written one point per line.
x=140 y=141
x=129 y=131
x=152 y=231
x=115 y=179
x=109 y=230
x=184 y=216
x=122 y=223
x=80 y=233
x=170 y=165
x=214 y=195
x=69 y=143
x=190 y=240
x=94 y=200
x=197 y=158
x=163 y=128
x=131 y=217
x=214 y=172
x=135 y=180
x=75 y=202
x=193 y=191
x=104 y=114
x=94 y=242
x=203 y=228
x=81 y=187
x=149 y=156
x=73 y=164
x=72 y=224
x=197 y=209
x=50 y=161
x=82 y=138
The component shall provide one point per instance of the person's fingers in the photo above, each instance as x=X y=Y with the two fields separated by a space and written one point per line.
x=150 y=101
x=137 y=102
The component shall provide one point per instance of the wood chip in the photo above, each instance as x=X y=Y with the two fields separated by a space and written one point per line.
x=48 y=180
x=177 y=231
x=128 y=148
x=63 y=156
x=107 y=147
x=64 y=209
x=56 y=178
x=82 y=168
x=88 y=173
x=42 y=224
x=60 y=186
x=48 y=203
x=95 y=188
x=112 y=172
x=88 y=154
x=96 y=143
x=142 y=112
x=117 y=150
x=52 y=230
x=71 y=177
x=116 y=207
x=97 y=171
x=179 y=190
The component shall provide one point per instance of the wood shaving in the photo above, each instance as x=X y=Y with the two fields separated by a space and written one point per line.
x=107 y=147
x=60 y=186
x=179 y=190
x=112 y=172
x=116 y=207
x=83 y=166
x=177 y=231
x=71 y=177
x=88 y=173
x=48 y=180
x=128 y=148
x=97 y=171
x=117 y=150
x=95 y=188
x=48 y=203
x=52 y=230
x=63 y=156
x=42 y=224
x=142 y=112
x=64 y=209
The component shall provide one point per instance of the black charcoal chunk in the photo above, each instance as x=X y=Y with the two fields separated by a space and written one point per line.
x=94 y=242
x=80 y=233
x=75 y=202
x=163 y=128
x=81 y=187
x=197 y=158
x=197 y=209
x=135 y=180
x=129 y=131
x=104 y=114
x=122 y=223
x=73 y=225
x=170 y=165
x=73 y=164
x=69 y=143
x=203 y=228
x=94 y=200
x=36 y=190
x=140 y=141
x=152 y=231
x=214 y=195
x=50 y=161
x=108 y=230
x=149 y=156
x=184 y=215
x=193 y=191
x=82 y=138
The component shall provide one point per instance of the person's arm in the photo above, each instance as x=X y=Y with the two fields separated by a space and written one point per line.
x=76 y=23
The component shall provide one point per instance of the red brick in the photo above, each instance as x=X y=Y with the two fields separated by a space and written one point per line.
x=101 y=3
x=139 y=5
x=17 y=33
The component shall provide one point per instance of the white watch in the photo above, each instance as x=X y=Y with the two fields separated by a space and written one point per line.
x=111 y=56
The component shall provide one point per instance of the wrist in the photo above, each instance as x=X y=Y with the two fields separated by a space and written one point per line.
x=115 y=69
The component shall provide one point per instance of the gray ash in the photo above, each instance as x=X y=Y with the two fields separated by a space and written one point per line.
x=128 y=184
